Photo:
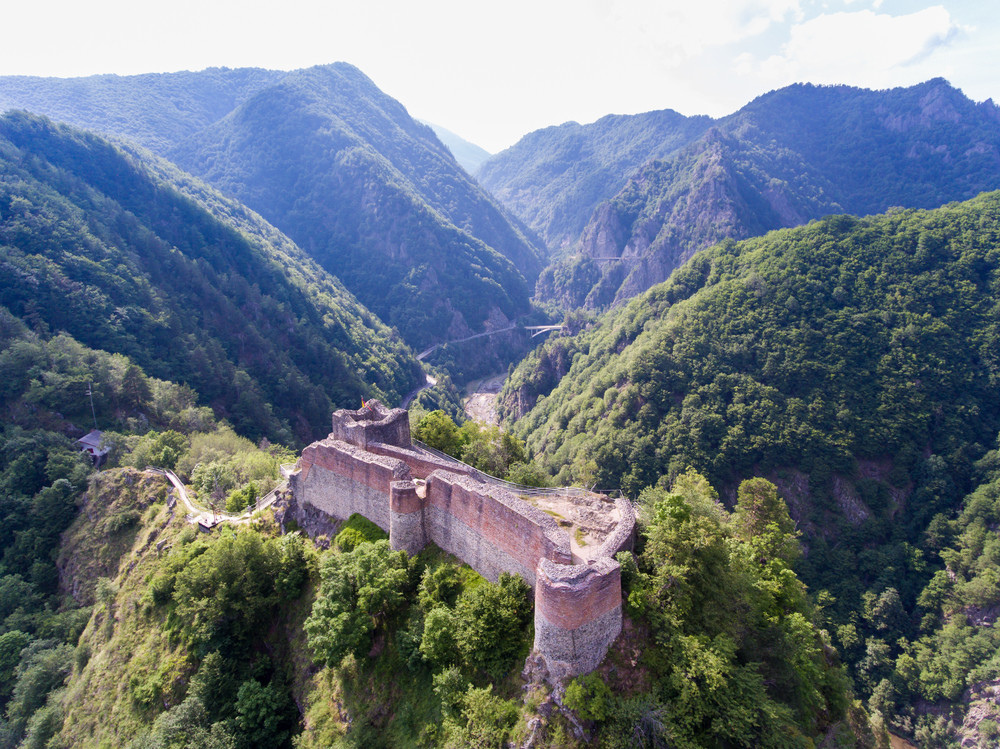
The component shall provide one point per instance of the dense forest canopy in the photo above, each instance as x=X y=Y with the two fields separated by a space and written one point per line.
x=60 y=567
x=99 y=243
x=777 y=352
x=854 y=362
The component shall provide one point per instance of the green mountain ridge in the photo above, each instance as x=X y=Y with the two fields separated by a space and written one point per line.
x=716 y=188
x=339 y=167
x=128 y=255
x=157 y=110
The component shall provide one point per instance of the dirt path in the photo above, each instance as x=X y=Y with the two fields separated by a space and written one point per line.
x=207 y=517
x=480 y=405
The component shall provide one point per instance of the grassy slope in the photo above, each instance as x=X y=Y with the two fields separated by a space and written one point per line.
x=122 y=647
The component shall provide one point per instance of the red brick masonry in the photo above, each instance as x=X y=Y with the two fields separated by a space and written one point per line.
x=569 y=596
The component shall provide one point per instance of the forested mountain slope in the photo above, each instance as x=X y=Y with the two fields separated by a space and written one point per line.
x=719 y=187
x=554 y=178
x=374 y=197
x=342 y=169
x=787 y=157
x=130 y=256
x=855 y=362
x=845 y=317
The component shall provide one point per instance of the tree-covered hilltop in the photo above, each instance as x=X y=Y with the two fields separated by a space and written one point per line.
x=247 y=637
x=787 y=157
x=157 y=110
x=854 y=362
x=122 y=625
x=339 y=167
x=129 y=256
x=778 y=351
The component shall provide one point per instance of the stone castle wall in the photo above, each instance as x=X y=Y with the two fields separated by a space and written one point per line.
x=489 y=528
x=420 y=498
x=342 y=479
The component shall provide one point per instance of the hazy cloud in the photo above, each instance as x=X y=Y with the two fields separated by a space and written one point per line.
x=676 y=32
x=859 y=46
x=492 y=71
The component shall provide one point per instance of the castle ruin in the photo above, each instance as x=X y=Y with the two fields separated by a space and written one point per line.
x=370 y=466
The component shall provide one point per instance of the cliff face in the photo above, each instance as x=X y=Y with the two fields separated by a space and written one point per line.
x=375 y=198
x=719 y=188
x=111 y=519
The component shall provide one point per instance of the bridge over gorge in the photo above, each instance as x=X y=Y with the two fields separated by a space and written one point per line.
x=536 y=331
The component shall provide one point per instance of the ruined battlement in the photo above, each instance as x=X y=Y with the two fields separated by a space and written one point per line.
x=368 y=465
x=372 y=424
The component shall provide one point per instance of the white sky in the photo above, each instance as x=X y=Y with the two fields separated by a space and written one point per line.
x=493 y=71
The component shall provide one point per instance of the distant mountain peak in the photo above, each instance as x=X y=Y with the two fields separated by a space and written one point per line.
x=466 y=153
x=792 y=154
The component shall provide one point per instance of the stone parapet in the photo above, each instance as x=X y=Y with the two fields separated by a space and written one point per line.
x=623 y=536
x=421 y=464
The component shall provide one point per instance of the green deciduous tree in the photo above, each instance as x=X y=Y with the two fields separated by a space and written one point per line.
x=360 y=589
x=224 y=595
x=491 y=621
x=263 y=714
x=438 y=644
x=439 y=431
